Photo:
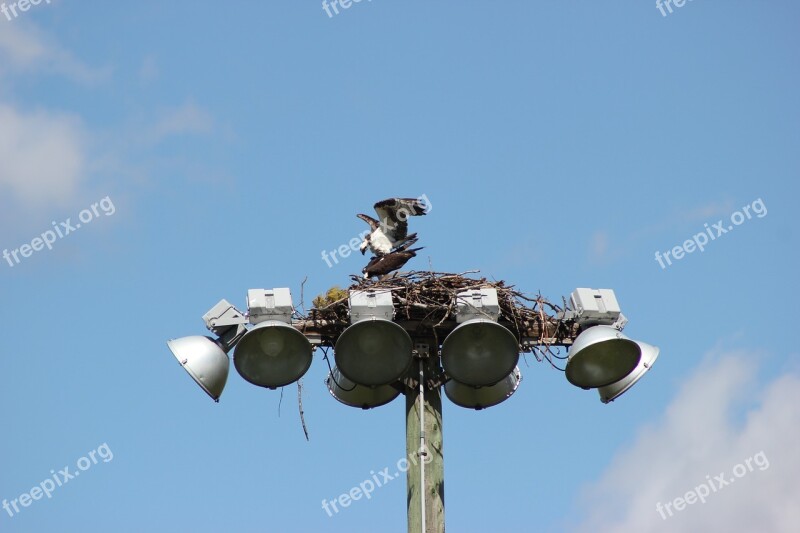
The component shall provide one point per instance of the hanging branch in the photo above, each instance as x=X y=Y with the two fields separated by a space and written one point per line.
x=300 y=406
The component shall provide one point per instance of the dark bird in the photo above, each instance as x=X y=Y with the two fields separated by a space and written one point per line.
x=387 y=263
x=390 y=231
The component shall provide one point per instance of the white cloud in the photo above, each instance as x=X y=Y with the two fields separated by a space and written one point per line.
x=690 y=217
x=707 y=213
x=187 y=119
x=44 y=153
x=701 y=435
x=25 y=49
x=604 y=250
x=43 y=156
x=20 y=49
x=599 y=247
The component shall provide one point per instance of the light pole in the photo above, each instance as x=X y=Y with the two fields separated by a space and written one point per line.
x=419 y=334
x=424 y=439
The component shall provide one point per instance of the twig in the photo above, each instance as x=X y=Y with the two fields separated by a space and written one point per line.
x=300 y=405
x=302 y=296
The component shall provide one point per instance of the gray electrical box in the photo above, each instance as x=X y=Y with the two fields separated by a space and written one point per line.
x=270 y=304
x=369 y=304
x=477 y=303
x=595 y=306
x=223 y=316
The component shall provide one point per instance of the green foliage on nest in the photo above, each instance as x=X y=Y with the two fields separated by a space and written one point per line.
x=334 y=294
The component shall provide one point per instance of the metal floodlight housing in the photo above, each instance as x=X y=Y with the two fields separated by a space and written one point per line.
x=600 y=356
x=272 y=354
x=373 y=351
x=615 y=390
x=482 y=397
x=349 y=393
x=479 y=352
x=205 y=359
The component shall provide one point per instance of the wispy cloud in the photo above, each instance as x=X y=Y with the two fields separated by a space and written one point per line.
x=603 y=249
x=698 y=435
x=688 y=217
x=704 y=213
x=43 y=156
x=189 y=119
x=24 y=49
x=599 y=247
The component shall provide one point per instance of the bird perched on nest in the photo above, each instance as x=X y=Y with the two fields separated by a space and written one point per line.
x=387 y=263
x=391 y=230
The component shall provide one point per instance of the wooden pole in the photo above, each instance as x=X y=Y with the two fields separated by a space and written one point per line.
x=430 y=457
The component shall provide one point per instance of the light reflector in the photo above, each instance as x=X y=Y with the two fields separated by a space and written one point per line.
x=480 y=352
x=204 y=360
x=615 y=390
x=600 y=356
x=482 y=397
x=355 y=395
x=272 y=354
x=373 y=352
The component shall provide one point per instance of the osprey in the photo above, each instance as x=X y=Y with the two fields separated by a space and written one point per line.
x=384 y=264
x=391 y=231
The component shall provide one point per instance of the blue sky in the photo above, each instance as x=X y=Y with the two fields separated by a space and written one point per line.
x=561 y=145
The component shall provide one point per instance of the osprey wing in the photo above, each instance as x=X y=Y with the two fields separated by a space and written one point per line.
x=394 y=214
x=373 y=224
x=380 y=266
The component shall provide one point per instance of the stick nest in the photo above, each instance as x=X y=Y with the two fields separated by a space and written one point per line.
x=429 y=298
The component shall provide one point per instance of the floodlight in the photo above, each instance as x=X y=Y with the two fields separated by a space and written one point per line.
x=361 y=396
x=479 y=352
x=204 y=358
x=615 y=390
x=373 y=351
x=600 y=356
x=272 y=354
x=482 y=397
